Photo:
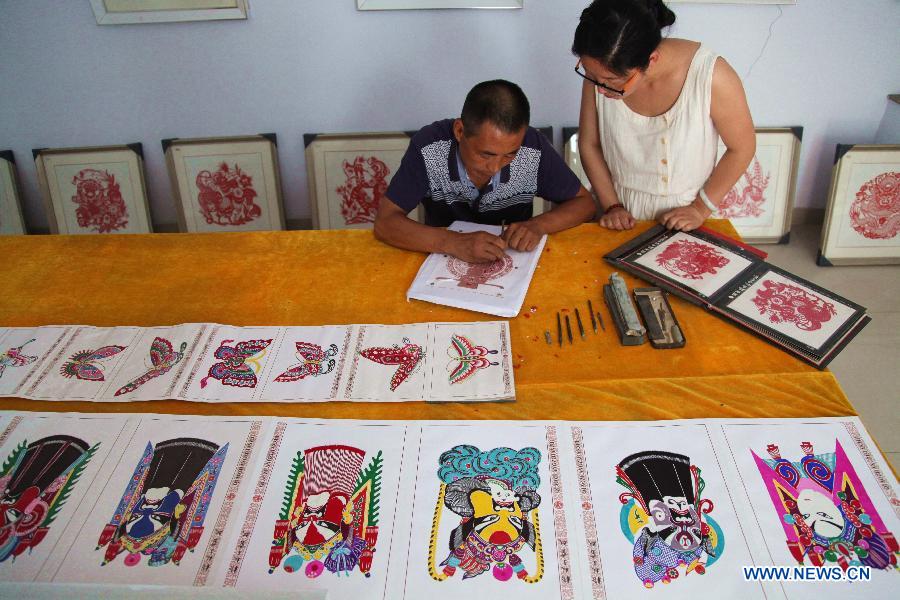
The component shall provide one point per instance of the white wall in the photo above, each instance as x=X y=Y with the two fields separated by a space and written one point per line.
x=300 y=66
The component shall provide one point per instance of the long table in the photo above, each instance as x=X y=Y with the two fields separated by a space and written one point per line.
x=341 y=277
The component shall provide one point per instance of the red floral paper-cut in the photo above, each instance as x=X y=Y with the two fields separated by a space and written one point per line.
x=100 y=203
x=226 y=196
x=786 y=303
x=750 y=201
x=691 y=260
x=362 y=192
x=875 y=213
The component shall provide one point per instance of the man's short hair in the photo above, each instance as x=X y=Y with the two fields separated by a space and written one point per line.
x=500 y=102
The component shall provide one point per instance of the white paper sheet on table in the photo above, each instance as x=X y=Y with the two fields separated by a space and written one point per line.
x=407 y=492
x=496 y=288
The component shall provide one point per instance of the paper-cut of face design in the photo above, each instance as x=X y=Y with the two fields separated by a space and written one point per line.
x=162 y=511
x=825 y=511
x=494 y=494
x=662 y=516
x=675 y=519
x=329 y=521
x=820 y=513
x=35 y=484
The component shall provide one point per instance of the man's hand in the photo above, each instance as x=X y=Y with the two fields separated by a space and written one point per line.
x=523 y=236
x=476 y=247
x=618 y=218
x=686 y=218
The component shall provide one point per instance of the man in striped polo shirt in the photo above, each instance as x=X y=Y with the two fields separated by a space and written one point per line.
x=485 y=167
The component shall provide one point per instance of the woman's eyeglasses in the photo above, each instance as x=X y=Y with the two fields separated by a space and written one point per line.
x=580 y=70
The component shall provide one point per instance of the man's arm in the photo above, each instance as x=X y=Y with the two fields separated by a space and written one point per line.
x=393 y=227
x=525 y=236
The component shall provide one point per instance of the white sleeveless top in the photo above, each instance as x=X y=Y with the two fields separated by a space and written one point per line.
x=659 y=163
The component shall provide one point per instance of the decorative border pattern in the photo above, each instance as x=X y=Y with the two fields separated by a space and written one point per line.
x=14 y=422
x=187 y=382
x=863 y=448
x=55 y=359
x=243 y=541
x=559 y=517
x=224 y=512
x=587 y=515
x=352 y=377
x=504 y=349
x=185 y=362
x=337 y=377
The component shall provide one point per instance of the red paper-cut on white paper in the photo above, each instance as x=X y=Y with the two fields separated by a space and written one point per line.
x=875 y=213
x=100 y=203
x=749 y=202
x=691 y=260
x=785 y=303
x=226 y=196
x=362 y=192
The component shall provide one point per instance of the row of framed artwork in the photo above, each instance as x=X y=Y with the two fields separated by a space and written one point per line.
x=233 y=184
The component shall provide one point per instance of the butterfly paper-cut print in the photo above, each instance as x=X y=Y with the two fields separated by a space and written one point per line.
x=468 y=357
x=240 y=363
x=81 y=364
x=313 y=361
x=13 y=357
x=407 y=357
x=162 y=357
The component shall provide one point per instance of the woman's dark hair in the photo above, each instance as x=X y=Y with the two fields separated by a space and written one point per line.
x=622 y=34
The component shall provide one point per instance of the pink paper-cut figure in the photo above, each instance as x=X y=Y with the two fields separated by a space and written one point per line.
x=226 y=197
x=362 y=192
x=875 y=213
x=100 y=203
x=825 y=512
x=751 y=198
x=690 y=259
x=785 y=303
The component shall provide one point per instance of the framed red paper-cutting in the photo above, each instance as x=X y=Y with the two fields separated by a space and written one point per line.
x=862 y=221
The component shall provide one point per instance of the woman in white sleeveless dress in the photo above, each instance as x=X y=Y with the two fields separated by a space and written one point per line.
x=652 y=113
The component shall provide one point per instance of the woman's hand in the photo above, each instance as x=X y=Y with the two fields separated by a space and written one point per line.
x=686 y=218
x=618 y=218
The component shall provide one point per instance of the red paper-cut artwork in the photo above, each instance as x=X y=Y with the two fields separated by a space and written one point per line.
x=691 y=260
x=471 y=275
x=749 y=202
x=100 y=203
x=362 y=192
x=226 y=197
x=785 y=303
x=407 y=359
x=875 y=213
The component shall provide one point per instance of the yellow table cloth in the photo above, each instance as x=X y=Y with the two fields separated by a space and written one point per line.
x=342 y=277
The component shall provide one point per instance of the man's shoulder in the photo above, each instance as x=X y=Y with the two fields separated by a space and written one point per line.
x=434 y=132
x=536 y=139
